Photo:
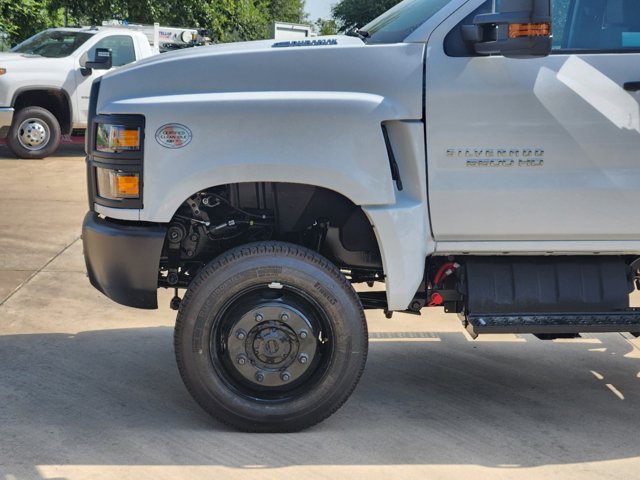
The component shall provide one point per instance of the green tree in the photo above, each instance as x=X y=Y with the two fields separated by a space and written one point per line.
x=20 y=20
x=83 y=12
x=93 y=12
x=326 y=27
x=357 y=13
x=180 y=13
x=236 y=20
x=228 y=20
x=291 y=11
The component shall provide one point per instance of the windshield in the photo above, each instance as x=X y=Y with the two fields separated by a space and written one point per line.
x=397 y=23
x=52 y=43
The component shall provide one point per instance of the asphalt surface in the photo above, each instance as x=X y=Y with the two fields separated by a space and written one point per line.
x=89 y=389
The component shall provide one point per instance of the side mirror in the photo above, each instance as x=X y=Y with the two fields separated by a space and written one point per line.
x=519 y=29
x=102 y=60
x=84 y=58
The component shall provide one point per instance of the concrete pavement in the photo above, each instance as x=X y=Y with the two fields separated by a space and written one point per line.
x=89 y=389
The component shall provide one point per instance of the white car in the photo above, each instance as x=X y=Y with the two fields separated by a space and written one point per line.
x=45 y=83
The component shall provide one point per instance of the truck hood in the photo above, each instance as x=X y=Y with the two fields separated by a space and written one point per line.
x=27 y=71
x=30 y=62
x=246 y=47
x=322 y=64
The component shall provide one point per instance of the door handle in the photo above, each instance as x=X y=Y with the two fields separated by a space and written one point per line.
x=631 y=86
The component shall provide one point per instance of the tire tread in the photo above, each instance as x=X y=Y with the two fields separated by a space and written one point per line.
x=248 y=251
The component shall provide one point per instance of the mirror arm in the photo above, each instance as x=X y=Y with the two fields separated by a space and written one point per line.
x=471 y=33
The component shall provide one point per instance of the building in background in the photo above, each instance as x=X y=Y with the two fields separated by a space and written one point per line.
x=290 y=31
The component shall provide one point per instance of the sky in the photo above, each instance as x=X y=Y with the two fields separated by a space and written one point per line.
x=319 y=8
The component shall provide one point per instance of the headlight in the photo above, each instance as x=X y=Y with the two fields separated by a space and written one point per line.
x=117 y=138
x=115 y=144
x=117 y=184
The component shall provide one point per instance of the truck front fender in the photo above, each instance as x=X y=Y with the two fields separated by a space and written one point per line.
x=332 y=140
x=327 y=139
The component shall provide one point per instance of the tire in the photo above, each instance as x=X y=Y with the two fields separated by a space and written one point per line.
x=270 y=337
x=34 y=133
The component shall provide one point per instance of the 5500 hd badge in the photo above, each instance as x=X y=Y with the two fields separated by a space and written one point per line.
x=499 y=157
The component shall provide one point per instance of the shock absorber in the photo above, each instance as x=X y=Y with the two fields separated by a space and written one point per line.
x=175 y=235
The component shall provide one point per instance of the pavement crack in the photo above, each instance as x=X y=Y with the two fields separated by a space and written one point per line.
x=30 y=277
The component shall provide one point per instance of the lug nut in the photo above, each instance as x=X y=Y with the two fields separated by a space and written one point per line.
x=259 y=317
x=303 y=359
x=285 y=377
x=259 y=377
x=241 y=335
x=284 y=317
x=303 y=334
x=241 y=360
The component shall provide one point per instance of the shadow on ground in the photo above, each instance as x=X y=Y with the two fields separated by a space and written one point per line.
x=114 y=397
x=65 y=150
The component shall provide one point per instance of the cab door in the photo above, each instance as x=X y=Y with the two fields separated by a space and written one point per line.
x=122 y=53
x=537 y=148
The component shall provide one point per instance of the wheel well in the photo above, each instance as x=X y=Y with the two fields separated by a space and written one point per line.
x=56 y=101
x=217 y=219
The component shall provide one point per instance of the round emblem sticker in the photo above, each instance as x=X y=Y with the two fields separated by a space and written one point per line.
x=173 y=135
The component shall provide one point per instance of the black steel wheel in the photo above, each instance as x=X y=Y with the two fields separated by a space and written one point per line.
x=34 y=133
x=270 y=337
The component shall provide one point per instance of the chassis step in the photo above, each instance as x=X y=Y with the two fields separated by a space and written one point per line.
x=561 y=323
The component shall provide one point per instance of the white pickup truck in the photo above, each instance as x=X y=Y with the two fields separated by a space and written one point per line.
x=45 y=81
x=461 y=157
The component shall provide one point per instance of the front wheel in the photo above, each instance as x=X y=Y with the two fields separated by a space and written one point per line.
x=34 y=133
x=270 y=337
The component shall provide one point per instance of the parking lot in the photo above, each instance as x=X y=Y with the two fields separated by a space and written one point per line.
x=89 y=389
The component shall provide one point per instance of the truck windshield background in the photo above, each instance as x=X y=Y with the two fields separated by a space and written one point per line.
x=397 y=23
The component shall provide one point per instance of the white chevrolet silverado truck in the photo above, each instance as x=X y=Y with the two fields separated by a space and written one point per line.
x=45 y=83
x=460 y=155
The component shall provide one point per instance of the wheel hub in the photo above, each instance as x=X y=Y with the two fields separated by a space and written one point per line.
x=278 y=348
x=33 y=134
x=272 y=345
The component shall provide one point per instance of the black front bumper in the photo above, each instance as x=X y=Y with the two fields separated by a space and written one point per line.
x=123 y=259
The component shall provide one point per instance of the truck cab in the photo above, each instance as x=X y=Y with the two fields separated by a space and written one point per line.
x=45 y=84
x=457 y=155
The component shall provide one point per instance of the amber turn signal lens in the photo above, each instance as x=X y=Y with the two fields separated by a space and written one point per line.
x=518 y=30
x=3 y=71
x=116 y=184
x=128 y=138
x=127 y=186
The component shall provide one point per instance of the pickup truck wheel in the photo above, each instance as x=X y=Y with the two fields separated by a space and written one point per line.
x=270 y=337
x=34 y=133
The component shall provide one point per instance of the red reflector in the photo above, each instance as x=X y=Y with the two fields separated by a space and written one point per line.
x=436 y=300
